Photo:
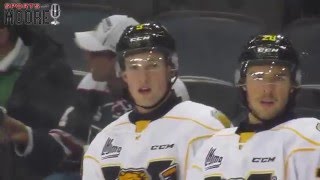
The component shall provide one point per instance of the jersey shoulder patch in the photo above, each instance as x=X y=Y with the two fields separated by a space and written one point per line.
x=220 y=135
x=199 y=113
x=305 y=129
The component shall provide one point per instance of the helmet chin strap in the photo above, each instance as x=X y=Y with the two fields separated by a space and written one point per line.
x=166 y=94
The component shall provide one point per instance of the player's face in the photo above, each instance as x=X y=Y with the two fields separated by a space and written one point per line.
x=101 y=65
x=147 y=76
x=268 y=88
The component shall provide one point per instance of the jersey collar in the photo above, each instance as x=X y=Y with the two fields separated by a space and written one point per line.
x=165 y=107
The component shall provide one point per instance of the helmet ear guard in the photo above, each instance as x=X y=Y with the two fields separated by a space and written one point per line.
x=298 y=78
x=236 y=77
x=174 y=65
x=174 y=61
x=117 y=69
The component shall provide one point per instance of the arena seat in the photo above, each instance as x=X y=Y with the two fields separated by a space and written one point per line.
x=305 y=36
x=213 y=92
x=209 y=43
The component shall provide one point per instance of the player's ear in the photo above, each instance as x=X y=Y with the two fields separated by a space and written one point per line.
x=293 y=86
x=124 y=76
x=170 y=72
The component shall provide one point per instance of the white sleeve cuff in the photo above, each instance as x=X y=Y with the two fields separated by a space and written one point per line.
x=29 y=146
x=58 y=140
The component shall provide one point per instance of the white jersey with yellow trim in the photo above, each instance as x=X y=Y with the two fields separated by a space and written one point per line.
x=289 y=151
x=160 y=151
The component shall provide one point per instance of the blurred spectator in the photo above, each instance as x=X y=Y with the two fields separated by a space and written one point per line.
x=13 y=55
x=45 y=85
x=102 y=88
x=36 y=84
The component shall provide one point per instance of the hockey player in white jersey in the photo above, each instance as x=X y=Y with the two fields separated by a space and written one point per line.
x=156 y=139
x=272 y=144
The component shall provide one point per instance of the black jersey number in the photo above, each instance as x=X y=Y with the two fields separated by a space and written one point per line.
x=156 y=170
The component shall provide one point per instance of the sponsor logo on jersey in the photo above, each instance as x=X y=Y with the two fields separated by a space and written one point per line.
x=109 y=150
x=263 y=159
x=212 y=161
x=161 y=147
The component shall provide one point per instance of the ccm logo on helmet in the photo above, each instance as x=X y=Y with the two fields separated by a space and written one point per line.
x=139 y=38
x=266 y=50
x=160 y=147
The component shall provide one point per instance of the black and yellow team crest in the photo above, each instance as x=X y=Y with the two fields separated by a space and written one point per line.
x=134 y=174
x=142 y=174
